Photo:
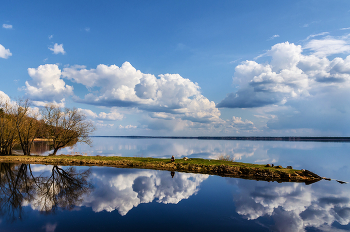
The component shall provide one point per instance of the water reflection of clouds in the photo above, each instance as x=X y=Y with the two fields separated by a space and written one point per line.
x=326 y=159
x=50 y=227
x=125 y=191
x=40 y=168
x=167 y=147
x=290 y=206
x=293 y=206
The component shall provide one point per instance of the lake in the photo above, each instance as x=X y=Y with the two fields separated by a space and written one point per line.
x=51 y=198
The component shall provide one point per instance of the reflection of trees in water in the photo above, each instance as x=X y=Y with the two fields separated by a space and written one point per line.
x=63 y=188
x=15 y=187
x=40 y=147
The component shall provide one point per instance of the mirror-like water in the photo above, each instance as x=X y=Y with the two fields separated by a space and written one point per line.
x=51 y=198
x=326 y=159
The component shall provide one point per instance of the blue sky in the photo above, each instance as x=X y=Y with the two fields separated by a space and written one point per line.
x=191 y=68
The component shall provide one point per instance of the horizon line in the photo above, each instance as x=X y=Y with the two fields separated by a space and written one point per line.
x=259 y=138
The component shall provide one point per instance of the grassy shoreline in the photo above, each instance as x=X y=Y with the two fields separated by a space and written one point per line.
x=193 y=165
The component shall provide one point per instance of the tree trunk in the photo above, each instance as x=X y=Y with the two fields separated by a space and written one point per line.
x=55 y=151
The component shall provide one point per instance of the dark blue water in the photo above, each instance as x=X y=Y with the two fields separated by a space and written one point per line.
x=111 y=199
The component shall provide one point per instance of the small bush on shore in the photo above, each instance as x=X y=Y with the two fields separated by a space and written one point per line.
x=224 y=157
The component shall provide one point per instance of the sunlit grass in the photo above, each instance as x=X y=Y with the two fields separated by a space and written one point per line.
x=196 y=161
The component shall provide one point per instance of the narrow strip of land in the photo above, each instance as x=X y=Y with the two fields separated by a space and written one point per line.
x=195 y=165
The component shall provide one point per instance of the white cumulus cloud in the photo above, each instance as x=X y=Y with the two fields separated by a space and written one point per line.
x=170 y=102
x=57 y=48
x=127 y=87
x=113 y=115
x=46 y=84
x=300 y=88
x=328 y=46
x=4 y=53
x=290 y=74
x=4 y=98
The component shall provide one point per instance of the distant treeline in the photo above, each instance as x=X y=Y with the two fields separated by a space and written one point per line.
x=257 y=138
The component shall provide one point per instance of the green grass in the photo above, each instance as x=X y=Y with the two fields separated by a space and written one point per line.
x=197 y=161
x=193 y=165
x=148 y=162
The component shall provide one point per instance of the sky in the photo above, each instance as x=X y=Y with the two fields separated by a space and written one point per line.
x=183 y=68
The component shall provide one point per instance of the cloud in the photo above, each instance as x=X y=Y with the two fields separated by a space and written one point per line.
x=249 y=152
x=235 y=61
x=41 y=168
x=50 y=227
x=4 y=53
x=101 y=124
x=237 y=121
x=308 y=24
x=290 y=74
x=284 y=56
x=328 y=46
x=249 y=99
x=315 y=35
x=112 y=116
x=127 y=87
x=57 y=48
x=327 y=111
x=299 y=88
x=170 y=102
x=269 y=83
x=50 y=37
x=293 y=207
x=127 y=190
x=87 y=29
x=127 y=127
x=274 y=36
x=159 y=124
x=169 y=123
x=7 y=26
x=46 y=84
x=4 y=98
x=44 y=103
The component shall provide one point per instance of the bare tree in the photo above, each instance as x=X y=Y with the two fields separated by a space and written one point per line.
x=65 y=127
x=8 y=133
x=27 y=124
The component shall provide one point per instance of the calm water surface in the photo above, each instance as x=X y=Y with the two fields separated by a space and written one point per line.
x=50 y=198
